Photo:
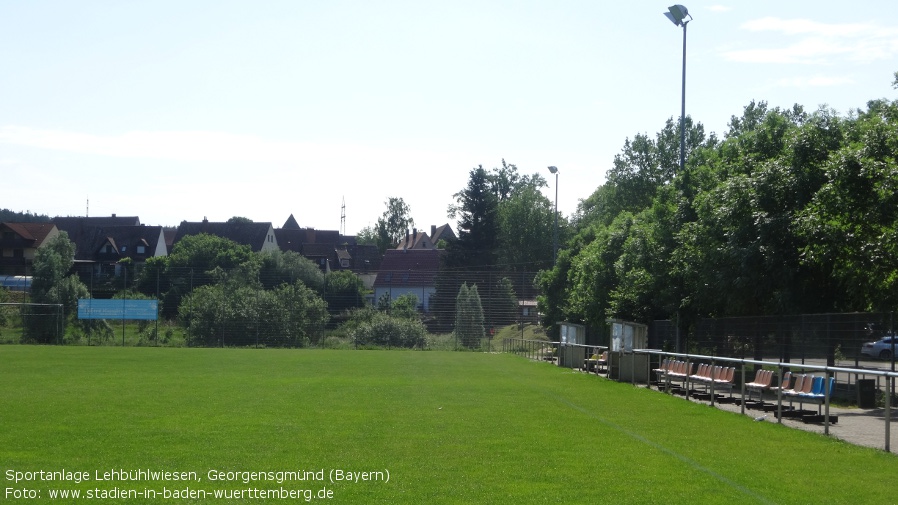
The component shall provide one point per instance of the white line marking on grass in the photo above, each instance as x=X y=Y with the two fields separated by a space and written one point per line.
x=663 y=449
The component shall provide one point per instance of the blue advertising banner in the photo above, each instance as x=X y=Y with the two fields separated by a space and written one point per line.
x=89 y=308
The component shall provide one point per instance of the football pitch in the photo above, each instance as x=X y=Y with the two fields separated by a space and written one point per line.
x=215 y=426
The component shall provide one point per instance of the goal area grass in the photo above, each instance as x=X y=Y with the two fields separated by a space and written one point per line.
x=129 y=425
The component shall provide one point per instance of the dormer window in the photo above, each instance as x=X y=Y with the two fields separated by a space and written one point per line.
x=141 y=249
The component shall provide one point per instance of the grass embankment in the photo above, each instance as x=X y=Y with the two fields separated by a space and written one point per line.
x=449 y=428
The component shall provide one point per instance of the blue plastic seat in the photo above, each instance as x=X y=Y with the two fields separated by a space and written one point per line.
x=816 y=389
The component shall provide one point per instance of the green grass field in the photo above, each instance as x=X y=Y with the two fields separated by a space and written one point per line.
x=446 y=427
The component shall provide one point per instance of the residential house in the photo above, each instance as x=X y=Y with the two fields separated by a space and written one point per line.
x=327 y=248
x=75 y=226
x=107 y=246
x=442 y=233
x=101 y=243
x=258 y=236
x=19 y=243
x=420 y=240
x=405 y=271
x=415 y=240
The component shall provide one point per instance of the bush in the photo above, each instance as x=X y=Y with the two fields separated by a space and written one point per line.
x=335 y=342
x=387 y=331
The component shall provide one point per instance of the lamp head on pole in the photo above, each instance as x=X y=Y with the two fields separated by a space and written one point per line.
x=677 y=15
x=553 y=169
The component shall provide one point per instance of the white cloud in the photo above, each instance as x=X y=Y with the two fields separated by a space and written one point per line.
x=819 y=43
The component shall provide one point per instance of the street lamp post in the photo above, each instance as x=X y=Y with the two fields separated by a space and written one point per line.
x=554 y=170
x=677 y=15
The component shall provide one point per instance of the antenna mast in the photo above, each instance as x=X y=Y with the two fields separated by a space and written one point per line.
x=343 y=217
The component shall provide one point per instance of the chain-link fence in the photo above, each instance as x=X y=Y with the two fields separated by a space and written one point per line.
x=293 y=308
x=39 y=323
x=832 y=338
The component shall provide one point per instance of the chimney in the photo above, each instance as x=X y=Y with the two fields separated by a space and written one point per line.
x=414 y=236
x=433 y=231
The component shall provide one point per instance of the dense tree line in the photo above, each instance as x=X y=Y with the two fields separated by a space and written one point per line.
x=225 y=294
x=790 y=212
x=505 y=227
x=11 y=216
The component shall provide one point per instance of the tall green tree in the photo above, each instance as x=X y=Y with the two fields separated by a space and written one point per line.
x=200 y=260
x=505 y=303
x=395 y=222
x=646 y=164
x=287 y=267
x=366 y=236
x=850 y=226
x=526 y=225
x=476 y=209
x=53 y=284
x=469 y=328
x=344 y=290
x=505 y=181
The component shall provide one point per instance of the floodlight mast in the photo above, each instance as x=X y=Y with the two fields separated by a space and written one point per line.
x=554 y=170
x=677 y=15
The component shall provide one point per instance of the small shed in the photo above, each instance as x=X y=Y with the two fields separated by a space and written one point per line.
x=627 y=335
x=572 y=349
x=623 y=363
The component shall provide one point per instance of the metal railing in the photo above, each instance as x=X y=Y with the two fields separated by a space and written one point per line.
x=531 y=349
x=537 y=349
x=829 y=371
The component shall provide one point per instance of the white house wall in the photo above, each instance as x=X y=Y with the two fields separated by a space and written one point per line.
x=423 y=294
x=271 y=242
x=161 y=250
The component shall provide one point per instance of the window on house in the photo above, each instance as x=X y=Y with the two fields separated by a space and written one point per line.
x=124 y=248
x=18 y=253
x=141 y=249
x=344 y=263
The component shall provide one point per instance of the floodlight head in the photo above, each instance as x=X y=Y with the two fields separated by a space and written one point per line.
x=677 y=15
x=553 y=169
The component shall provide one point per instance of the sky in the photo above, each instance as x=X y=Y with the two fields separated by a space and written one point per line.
x=192 y=109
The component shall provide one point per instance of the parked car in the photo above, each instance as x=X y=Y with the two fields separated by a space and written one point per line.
x=882 y=348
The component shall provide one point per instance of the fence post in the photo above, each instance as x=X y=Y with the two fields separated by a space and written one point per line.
x=888 y=413
x=779 y=397
x=826 y=398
